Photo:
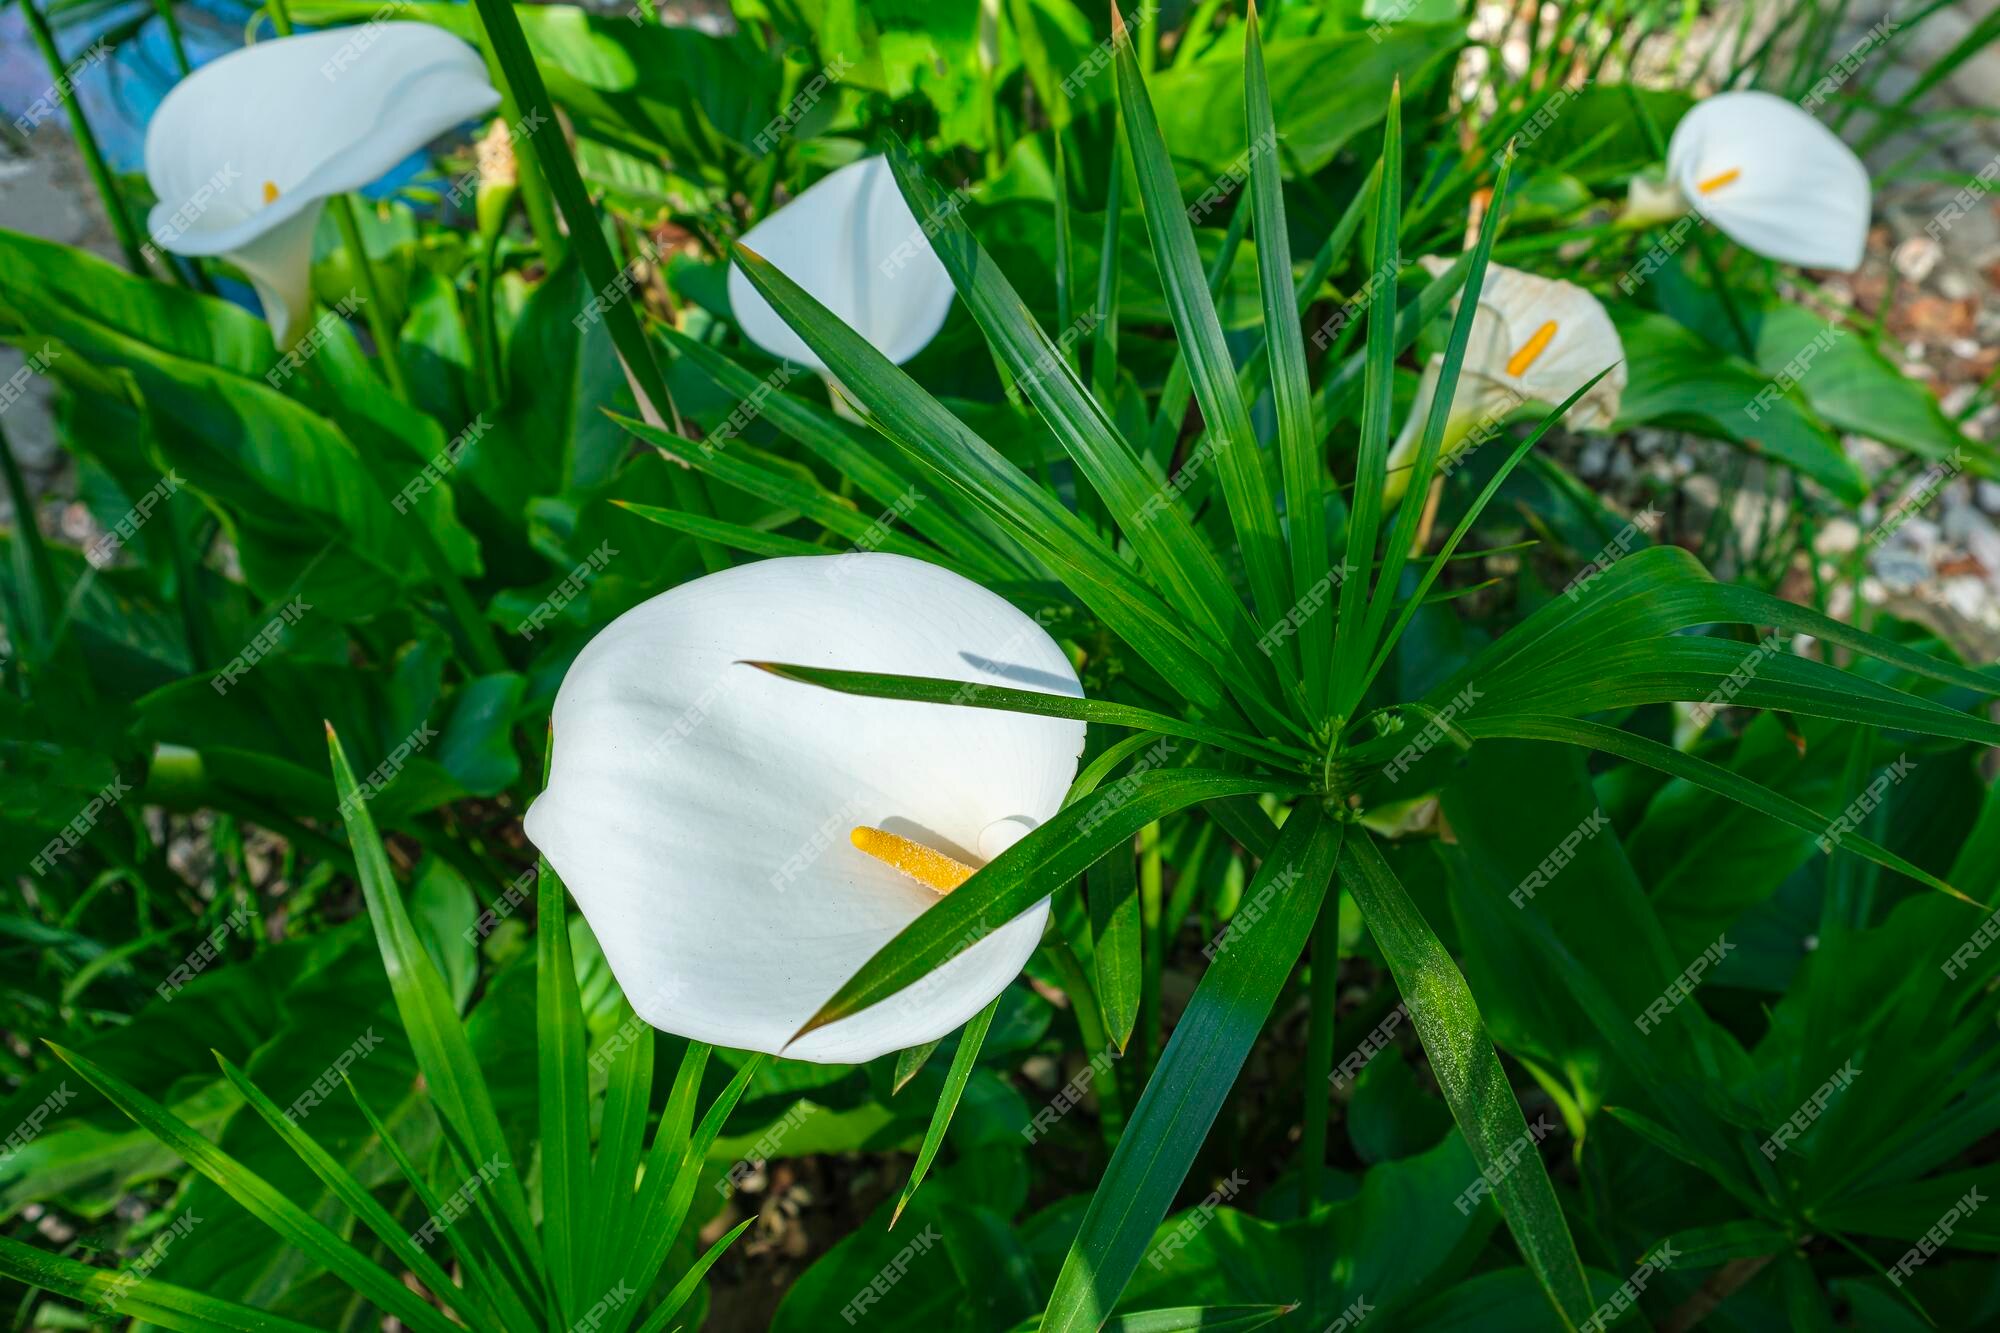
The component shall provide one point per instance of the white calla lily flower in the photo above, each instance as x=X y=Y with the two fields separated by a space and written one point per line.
x=244 y=153
x=742 y=844
x=1533 y=340
x=851 y=241
x=1772 y=177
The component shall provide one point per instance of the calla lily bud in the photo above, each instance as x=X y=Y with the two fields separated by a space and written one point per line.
x=742 y=844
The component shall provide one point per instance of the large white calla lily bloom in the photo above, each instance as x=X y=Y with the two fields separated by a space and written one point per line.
x=852 y=242
x=711 y=818
x=244 y=153
x=1533 y=340
x=1772 y=177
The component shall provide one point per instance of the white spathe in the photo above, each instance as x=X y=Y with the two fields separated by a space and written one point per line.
x=700 y=809
x=852 y=242
x=1773 y=178
x=1533 y=340
x=312 y=116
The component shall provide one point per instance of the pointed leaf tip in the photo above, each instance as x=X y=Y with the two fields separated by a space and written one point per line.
x=1117 y=22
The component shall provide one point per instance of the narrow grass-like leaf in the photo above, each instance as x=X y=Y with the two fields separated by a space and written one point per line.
x=564 y=1096
x=1469 y=1074
x=975 y=694
x=1299 y=452
x=452 y=1076
x=910 y=1063
x=858 y=455
x=970 y=1038
x=1238 y=460
x=732 y=535
x=145 y=1299
x=1378 y=401
x=1692 y=768
x=1195 y=1073
x=614 y=1173
x=946 y=448
x=664 y=1198
x=1055 y=853
x=1168 y=543
x=264 y=1201
x=1171 y=411
x=684 y=1288
x=1115 y=929
x=1187 y=1319
x=347 y=1189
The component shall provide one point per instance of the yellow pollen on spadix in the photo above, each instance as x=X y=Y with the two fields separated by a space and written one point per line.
x=926 y=865
x=270 y=192
x=1717 y=181
x=1532 y=349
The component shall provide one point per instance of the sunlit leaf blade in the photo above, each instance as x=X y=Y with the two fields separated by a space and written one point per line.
x=1378 y=401
x=262 y=1200
x=1236 y=456
x=1469 y=1074
x=976 y=694
x=1291 y=392
x=1055 y=853
x=563 y=1094
x=949 y=451
x=142 y=1298
x=452 y=1077
x=1196 y=1071
x=970 y=1039
x=1170 y=413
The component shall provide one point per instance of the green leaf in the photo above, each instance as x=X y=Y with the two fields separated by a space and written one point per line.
x=732 y=535
x=1468 y=1072
x=970 y=1039
x=976 y=694
x=1115 y=927
x=452 y=1076
x=910 y=1063
x=946 y=448
x=264 y=1201
x=564 y=1097
x=1055 y=853
x=684 y=1288
x=1196 y=1071
x=1299 y=446
x=145 y=1299
x=1187 y=1319
x=1238 y=459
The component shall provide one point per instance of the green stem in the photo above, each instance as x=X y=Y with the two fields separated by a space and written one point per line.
x=1319 y=1051
x=35 y=575
x=388 y=347
x=165 y=9
x=86 y=141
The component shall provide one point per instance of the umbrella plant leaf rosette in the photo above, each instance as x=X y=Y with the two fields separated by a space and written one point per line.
x=244 y=153
x=1767 y=173
x=742 y=844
